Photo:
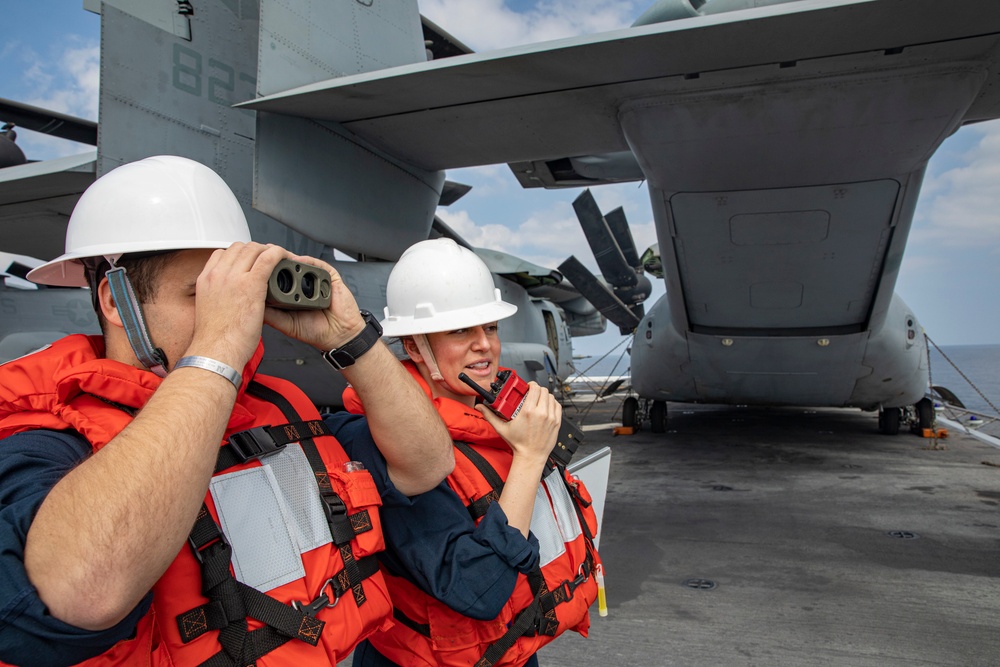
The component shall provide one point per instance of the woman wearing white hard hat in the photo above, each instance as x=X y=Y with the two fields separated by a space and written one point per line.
x=496 y=561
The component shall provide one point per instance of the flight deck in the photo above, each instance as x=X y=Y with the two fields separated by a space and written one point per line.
x=784 y=536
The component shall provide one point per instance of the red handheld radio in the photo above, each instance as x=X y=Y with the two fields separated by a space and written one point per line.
x=506 y=398
x=507 y=394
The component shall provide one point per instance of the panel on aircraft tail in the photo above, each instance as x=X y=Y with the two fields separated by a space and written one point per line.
x=316 y=177
x=776 y=371
x=773 y=259
x=303 y=42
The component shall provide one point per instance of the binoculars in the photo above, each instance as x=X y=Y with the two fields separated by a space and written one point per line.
x=297 y=286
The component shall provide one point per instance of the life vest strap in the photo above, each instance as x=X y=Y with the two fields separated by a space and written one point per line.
x=420 y=628
x=261 y=441
x=477 y=508
x=537 y=617
x=232 y=602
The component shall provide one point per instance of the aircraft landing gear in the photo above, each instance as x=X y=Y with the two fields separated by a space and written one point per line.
x=888 y=420
x=630 y=412
x=658 y=417
x=925 y=413
x=635 y=412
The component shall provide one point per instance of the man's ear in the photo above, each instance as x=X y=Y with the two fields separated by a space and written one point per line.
x=107 y=303
x=410 y=346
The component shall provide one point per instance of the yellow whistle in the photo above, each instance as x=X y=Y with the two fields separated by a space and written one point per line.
x=602 y=598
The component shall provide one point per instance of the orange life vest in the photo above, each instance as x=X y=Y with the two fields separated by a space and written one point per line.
x=69 y=385
x=429 y=632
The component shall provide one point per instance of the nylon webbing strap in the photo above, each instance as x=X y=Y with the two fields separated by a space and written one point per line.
x=232 y=602
x=477 y=508
x=536 y=617
x=134 y=323
x=547 y=621
x=342 y=525
x=258 y=442
x=420 y=628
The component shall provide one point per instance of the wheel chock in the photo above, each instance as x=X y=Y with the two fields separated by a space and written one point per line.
x=624 y=430
x=940 y=433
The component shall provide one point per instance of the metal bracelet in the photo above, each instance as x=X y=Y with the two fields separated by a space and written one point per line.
x=214 y=366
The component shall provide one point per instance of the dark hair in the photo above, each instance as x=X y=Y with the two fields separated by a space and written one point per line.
x=143 y=271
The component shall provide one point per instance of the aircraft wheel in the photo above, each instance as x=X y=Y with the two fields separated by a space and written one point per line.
x=925 y=413
x=888 y=421
x=658 y=417
x=630 y=408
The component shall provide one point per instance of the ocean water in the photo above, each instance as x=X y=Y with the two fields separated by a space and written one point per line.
x=953 y=367
x=965 y=368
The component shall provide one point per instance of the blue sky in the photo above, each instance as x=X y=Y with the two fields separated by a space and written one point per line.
x=49 y=56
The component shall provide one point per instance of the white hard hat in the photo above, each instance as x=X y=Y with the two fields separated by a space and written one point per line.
x=438 y=285
x=163 y=202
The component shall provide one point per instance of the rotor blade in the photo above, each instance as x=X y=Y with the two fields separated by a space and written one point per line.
x=48 y=122
x=619 y=228
x=614 y=268
x=598 y=294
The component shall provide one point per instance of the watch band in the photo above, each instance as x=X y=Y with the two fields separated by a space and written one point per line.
x=344 y=356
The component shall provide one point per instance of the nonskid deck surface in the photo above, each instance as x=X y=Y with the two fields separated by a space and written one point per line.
x=827 y=543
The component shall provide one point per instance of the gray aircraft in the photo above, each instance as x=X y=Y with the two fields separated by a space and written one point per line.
x=170 y=75
x=784 y=144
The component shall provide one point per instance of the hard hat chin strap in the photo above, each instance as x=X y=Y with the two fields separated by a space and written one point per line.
x=420 y=340
x=130 y=312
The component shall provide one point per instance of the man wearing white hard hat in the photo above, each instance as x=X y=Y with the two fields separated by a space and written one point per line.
x=499 y=559
x=162 y=503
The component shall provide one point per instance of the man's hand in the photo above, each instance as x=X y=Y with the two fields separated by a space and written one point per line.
x=324 y=329
x=229 y=302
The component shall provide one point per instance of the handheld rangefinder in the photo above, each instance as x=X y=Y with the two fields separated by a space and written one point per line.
x=298 y=286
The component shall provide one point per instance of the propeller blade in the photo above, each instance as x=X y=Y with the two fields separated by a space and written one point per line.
x=598 y=294
x=48 y=122
x=614 y=268
x=619 y=228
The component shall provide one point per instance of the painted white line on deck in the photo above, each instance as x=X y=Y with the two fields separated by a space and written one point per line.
x=599 y=427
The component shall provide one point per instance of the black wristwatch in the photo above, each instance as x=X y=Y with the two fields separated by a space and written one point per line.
x=344 y=356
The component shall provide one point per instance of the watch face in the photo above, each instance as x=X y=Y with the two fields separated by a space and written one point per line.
x=371 y=319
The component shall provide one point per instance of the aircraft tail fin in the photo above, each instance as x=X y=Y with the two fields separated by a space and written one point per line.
x=302 y=43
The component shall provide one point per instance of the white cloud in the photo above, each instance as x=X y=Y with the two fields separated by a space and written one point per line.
x=486 y=181
x=960 y=206
x=492 y=24
x=67 y=80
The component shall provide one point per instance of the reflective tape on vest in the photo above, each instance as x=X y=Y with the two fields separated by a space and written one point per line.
x=554 y=520
x=271 y=515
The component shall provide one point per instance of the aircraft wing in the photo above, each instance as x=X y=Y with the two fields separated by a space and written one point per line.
x=35 y=202
x=562 y=99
